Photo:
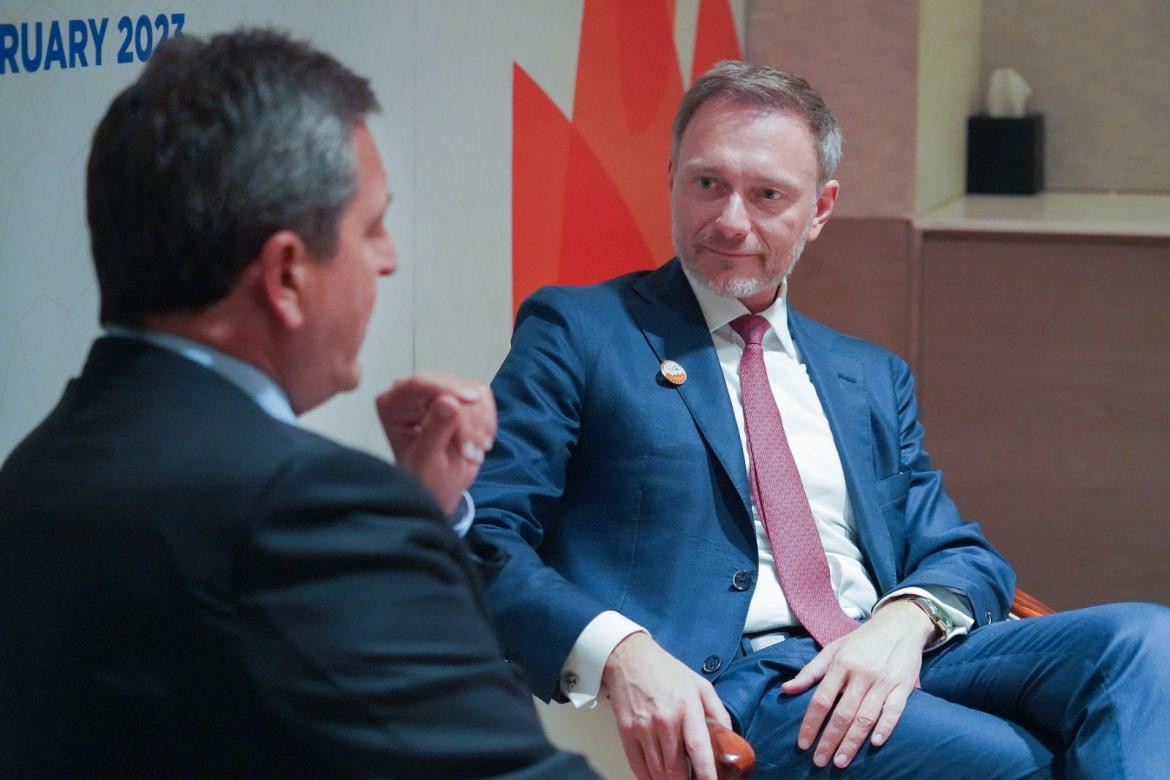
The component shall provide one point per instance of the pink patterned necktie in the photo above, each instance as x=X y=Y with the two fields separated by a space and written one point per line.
x=781 y=500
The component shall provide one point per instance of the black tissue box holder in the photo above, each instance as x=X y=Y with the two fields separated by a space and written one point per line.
x=1005 y=156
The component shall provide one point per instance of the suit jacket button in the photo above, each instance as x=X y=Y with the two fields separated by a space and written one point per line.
x=712 y=664
x=741 y=580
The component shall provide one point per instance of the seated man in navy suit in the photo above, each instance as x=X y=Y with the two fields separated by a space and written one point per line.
x=715 y=508
x=191 y=584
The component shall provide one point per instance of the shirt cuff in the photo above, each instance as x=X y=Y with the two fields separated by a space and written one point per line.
x=463 y=515
x=948 y=603
x=581 y=673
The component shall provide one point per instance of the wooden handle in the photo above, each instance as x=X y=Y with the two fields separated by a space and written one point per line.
x=734 y=757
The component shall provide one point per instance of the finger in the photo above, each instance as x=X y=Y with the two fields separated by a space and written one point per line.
x=712 y=705
x=402 y=399
x=492 y=417
x=400 y=423
x=837 y=726
x=473 y=392
x=437 y=428
x=819 y=707
x=463 y=389
x=475 y=433
x=863 y=723
x=666 y=740
x=808 y=676
x=634 y=756
x=471 y=452
x=409 y=398
x=654 y=760
x=697 y=741
x=892 y=709
x=386 y=407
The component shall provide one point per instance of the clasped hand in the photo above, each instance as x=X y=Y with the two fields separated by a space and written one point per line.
x=439 y=427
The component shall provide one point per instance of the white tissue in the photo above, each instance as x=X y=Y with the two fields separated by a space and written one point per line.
x=1007 y=94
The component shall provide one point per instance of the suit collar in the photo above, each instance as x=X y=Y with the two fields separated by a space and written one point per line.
x=257 y=385
x=119 y=360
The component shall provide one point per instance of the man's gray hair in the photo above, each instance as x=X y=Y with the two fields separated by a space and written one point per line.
x=769 y=89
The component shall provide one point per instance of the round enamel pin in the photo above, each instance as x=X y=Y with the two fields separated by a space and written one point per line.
x=673 y=372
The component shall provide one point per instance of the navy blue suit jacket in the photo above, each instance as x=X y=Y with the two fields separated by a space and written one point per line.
x=189 y=587
x=610 y=488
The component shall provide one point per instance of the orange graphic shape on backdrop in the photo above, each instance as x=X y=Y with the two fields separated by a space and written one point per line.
x=717 y=39
x=628 y=87
x=589 y=197
x=601 y=236
x=540 y=163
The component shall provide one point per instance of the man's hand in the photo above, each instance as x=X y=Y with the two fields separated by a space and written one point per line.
x=439 y=427
x=661 y=708
x=868 y=675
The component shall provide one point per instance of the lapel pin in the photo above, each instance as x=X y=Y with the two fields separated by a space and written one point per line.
x=673 y=372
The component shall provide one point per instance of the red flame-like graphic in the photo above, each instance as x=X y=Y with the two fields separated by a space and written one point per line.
x=589 y=198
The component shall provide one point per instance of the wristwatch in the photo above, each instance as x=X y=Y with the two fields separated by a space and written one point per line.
x=943 y=625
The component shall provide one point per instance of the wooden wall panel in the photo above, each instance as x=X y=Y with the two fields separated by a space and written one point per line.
x=1045 y=390
x=863 y=58
x=856 y=278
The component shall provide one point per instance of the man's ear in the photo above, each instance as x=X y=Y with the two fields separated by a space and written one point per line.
x=826 y=200
x=283 y=265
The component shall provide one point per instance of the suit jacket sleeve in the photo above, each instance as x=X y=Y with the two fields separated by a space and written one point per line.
x=539 y=391
x=366 y=634
x=937 y=546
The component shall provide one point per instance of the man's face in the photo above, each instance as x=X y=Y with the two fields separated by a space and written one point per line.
x=344 y=286
x=744 y=198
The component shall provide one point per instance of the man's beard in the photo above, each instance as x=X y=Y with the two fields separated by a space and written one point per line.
x=740 y=287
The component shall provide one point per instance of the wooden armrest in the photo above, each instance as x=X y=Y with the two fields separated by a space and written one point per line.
x=734 y=757
x=1025 y=606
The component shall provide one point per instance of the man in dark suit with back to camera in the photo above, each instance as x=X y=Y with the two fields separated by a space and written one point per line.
x=190 y=584
x=714 y=507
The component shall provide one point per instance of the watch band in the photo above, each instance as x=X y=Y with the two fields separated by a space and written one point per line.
x=943 y=625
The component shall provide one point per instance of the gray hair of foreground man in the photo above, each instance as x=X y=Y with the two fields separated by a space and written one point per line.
x=771 y=89
x=219 y=144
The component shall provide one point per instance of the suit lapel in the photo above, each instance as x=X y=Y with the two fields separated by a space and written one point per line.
x=672 y=323
x=668 y=314
x=840 y=383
